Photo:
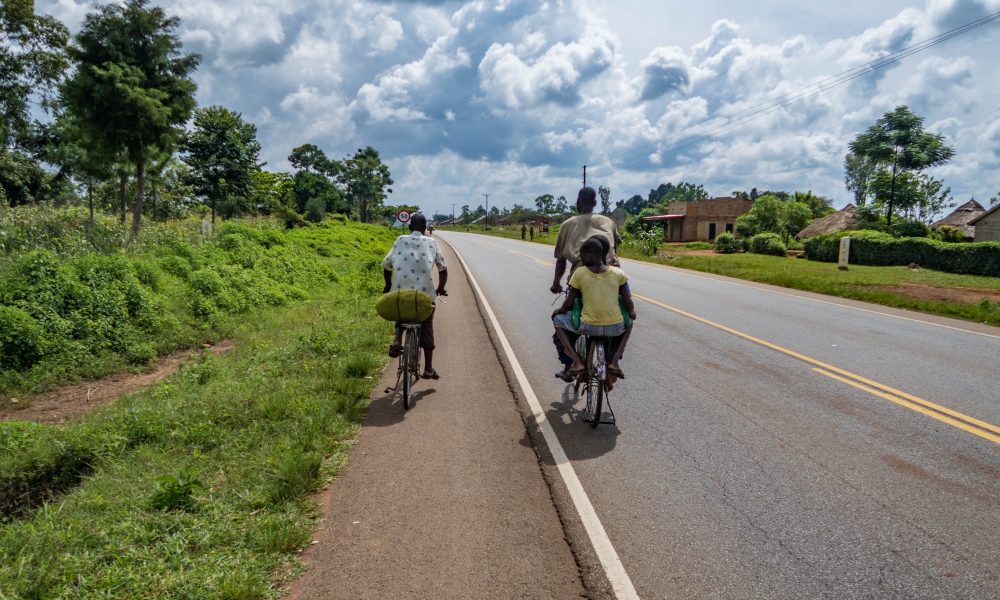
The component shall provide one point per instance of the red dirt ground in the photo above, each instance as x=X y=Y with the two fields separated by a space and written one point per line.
x=71 y=401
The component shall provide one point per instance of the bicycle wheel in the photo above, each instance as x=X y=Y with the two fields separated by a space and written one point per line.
x=598 y=367
x=411 y=365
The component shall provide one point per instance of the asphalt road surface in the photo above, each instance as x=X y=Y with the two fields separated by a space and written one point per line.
x=771 y=444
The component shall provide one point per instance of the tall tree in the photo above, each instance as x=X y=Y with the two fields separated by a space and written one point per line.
x=858 y=171
x=132 y=88
x=222 y=151
x=366 y=180
x=32 y=60
x=819 y=206
x=898 y=141
x=544 y=203
x=605 y=195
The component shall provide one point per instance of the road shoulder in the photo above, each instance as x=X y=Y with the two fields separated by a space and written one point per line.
x=446 y=500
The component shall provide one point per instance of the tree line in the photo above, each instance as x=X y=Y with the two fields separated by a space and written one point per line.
x=122 y=128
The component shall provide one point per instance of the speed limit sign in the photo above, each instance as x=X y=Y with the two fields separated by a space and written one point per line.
x=403 y=216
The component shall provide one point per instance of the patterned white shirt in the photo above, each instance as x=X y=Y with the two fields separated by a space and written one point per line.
x=411 y=260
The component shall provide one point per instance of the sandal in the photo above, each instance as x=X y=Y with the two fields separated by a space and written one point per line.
x=616 y=372
x=430 y=374
x=395 y=350
x=564 y=375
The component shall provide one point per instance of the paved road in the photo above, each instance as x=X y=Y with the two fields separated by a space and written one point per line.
x=773 y=445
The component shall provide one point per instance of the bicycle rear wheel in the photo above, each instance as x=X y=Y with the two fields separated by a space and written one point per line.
x=597 y=369
x=411 y=365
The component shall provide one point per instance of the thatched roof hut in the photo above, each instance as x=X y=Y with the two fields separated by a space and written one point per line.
x=961 y=217
x=845 y=218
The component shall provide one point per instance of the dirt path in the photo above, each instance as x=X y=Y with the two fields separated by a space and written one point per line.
x=446 y=500
x=69 y=402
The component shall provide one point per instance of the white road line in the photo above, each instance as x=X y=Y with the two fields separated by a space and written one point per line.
x=613 y=568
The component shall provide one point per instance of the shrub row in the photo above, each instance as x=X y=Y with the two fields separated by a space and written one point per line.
x=762 y=243
x=877 y=248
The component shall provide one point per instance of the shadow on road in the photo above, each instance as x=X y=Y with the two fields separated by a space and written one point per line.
x=387 y=410
x=579 y=439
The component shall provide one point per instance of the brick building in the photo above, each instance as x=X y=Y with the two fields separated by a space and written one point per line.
x=701 y=220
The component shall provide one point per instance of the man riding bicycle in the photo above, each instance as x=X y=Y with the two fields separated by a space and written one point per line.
x=409 y=265
x=572 y=234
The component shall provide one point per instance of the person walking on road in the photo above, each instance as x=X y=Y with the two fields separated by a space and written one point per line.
x=409 y=265
x=523 y=231
x=573 y=233
x=532 y=232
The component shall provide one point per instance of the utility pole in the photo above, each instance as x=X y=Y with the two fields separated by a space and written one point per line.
x=453 y=213
x=584 y=175
x=487 y=210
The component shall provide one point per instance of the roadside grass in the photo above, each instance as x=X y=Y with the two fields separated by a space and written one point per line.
x=75 y=305
x=866 y=283
x=199 y=487
x=506 y=231
x=870 y=284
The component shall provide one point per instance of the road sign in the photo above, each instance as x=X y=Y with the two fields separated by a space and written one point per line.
x=403 y=216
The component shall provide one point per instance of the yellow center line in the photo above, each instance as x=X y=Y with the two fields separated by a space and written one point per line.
x=970 y=424
x=537 y=260
x=930 y=413
x=944 y=414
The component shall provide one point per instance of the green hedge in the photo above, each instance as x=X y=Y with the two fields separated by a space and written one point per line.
x=767 y=243
x=881 y=249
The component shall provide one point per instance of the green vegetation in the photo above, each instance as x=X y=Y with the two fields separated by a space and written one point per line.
x=198 y=487
x=886 y=162
x=889 y=286
x=69 y=312
x=877 y=248
x=767 y=243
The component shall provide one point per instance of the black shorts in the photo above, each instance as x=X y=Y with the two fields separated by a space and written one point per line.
x=426 y=333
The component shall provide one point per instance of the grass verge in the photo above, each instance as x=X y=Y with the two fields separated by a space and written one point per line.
x=890 y=286
x=199 y=487
x=899 y=287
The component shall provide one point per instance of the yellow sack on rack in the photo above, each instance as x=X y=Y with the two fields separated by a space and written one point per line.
x=405 y=305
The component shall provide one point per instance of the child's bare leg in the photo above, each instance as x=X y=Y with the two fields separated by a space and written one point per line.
x=569 y=350
x=619 y=349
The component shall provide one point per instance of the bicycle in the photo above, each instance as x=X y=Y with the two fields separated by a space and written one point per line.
x=594 y=349
x=409 y=361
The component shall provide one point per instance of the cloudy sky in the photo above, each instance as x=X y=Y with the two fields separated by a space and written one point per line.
x=512 y=97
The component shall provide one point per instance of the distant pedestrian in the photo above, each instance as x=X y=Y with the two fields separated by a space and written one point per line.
x=523 y=231
x=532 y=232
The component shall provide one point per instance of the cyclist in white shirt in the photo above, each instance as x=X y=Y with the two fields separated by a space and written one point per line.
x=409 y=265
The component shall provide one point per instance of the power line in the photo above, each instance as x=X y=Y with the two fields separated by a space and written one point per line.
x=724 y=123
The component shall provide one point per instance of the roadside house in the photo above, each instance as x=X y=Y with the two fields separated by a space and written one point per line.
x=842 y=220
x=961 y=218
x=987 y=225
x=701 y=220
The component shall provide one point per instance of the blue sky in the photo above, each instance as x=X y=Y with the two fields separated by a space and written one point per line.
x=512 y=97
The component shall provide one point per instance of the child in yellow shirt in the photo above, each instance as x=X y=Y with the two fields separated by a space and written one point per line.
x=599 y=285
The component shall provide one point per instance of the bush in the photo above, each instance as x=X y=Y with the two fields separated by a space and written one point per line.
x=647 y=242
x=947 y=233
x=880 y=249
x=909 y=229
x=726 y=243
x=767 y=243
x=20 y=339
x=315 y=210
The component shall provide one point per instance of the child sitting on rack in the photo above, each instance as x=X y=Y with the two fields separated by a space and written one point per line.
x=599 y=286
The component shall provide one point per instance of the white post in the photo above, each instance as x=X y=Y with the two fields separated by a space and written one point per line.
x=845 y=252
